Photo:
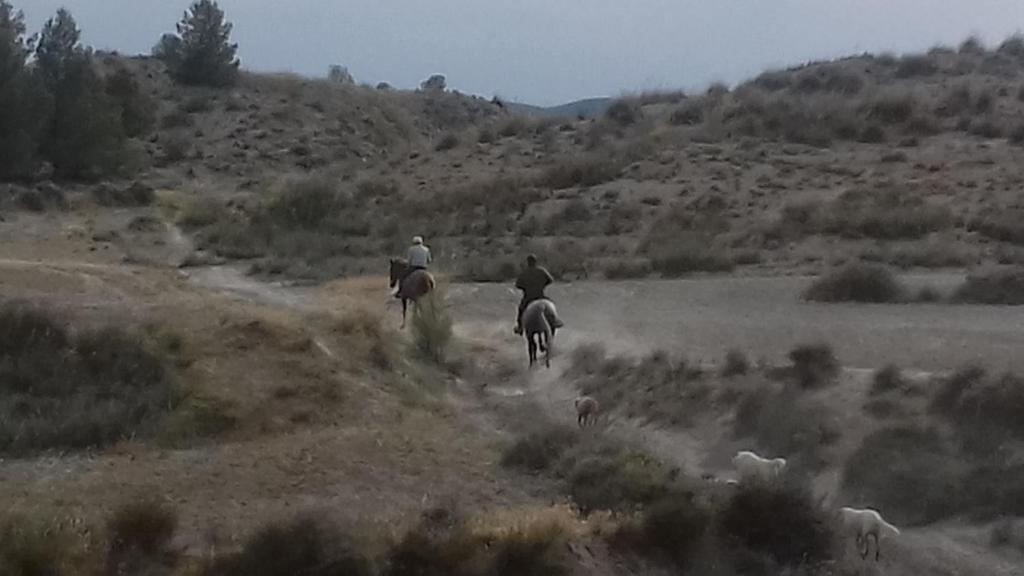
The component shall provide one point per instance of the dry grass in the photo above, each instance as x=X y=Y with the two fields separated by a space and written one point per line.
x=75 y=389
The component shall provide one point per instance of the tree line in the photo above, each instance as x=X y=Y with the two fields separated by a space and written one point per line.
x=60 y=113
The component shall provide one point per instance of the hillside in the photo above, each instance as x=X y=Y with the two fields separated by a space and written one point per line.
x=586 y=108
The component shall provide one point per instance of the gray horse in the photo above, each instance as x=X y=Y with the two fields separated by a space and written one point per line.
x=540 y=321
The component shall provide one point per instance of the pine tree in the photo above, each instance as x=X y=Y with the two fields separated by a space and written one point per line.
x=22 y=101
x=137 y=108
x=202 y=53
x=85 y=137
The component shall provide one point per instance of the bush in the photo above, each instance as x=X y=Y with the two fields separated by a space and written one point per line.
x=736 y=364
x=308 y=545
x=1017 y=135
x=914 y=66
x=627 y=269
x=448 y=142
x=617 y=479
x=32 y=548
x=685 y=258
x=985 y=411
x=689 y=113
x=674 y=527
x=985 y=128
x=1004 y=286
x=139 y=535
x=783 y=423
x=60 y=389
x=783 y=522
x=856 y=283
x=622 y=112
x=887 y=379
x=443 y=545
x=814 y=365
x=585 y=171
x=306 y=203
x=432 y=326
x=137 y=108
x=540 y=450
x=906 y=471
x=138 y=194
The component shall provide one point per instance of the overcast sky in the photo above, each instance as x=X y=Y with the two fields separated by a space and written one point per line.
x=550 y=51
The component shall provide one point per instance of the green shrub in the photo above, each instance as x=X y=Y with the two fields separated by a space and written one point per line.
x=856 y=283
x=431 y=326
x=137 y=108
x=618 y=479
x=583 y=171
x=781 y=422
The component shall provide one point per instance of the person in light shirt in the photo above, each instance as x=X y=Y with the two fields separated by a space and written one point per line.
x=418 y=257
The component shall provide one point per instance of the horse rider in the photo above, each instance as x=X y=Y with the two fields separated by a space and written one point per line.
x=531 y=281
x=418 y=257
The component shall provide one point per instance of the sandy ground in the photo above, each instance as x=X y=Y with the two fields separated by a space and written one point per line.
x=763 y=317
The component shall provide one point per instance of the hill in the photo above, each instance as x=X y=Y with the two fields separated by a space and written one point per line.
x=911 y=161
x=586 y=108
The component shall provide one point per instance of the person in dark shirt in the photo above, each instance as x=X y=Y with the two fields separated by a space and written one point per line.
x=531 y=281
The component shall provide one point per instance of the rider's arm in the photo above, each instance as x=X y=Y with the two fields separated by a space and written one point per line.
x=548 y=280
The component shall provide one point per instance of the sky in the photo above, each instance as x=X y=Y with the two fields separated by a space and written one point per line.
x=547 y=52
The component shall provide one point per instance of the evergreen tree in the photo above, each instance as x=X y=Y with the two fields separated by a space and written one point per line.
x=137 y=108
x=22 y=102
x=201 y=53
x=85 y=137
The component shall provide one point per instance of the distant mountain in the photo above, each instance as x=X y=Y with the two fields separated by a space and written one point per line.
x=587 y=108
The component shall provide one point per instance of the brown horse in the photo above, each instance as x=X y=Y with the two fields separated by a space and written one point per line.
x=416 y=285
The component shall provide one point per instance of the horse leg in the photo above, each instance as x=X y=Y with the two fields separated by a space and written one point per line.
x=405 y=307
x=581 y=420
x=531 y=349
x=547 y=349
x=878 y=547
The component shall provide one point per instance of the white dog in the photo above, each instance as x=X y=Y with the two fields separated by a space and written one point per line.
x=866 y=523
x=751 y=466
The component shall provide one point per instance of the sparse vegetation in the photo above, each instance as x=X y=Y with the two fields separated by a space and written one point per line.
x=814 y=365
x=432 y=326
x=1004 y=286
x=305 y=545
x=81 y=389
x=887 y=379
x=857 y=283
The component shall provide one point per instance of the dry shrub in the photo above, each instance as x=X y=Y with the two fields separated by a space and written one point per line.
x=856 y=283
x=687 y=256
x=540 y=450
x=908 y=472
x=612 y=477
x=655 y=387
x=984 y=410
x=447 y=142
x=444 y=544
x=627 y=269
x=432 y=326
x=308 y=545
x=1017 y=135
x=782 y=522
x=781 y=422
x=916 y=66
x=623 y=113
x=139 y=536
x=64 y=389
x=673 y=528
x=814 y=365
x=1004 y=286
x=1003 y=224
x=736 y=364
x=586 y=171
x=888 y=379
x=29 y=547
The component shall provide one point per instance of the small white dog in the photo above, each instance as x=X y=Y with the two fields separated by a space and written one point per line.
x=866 y=523
x=751 y=466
